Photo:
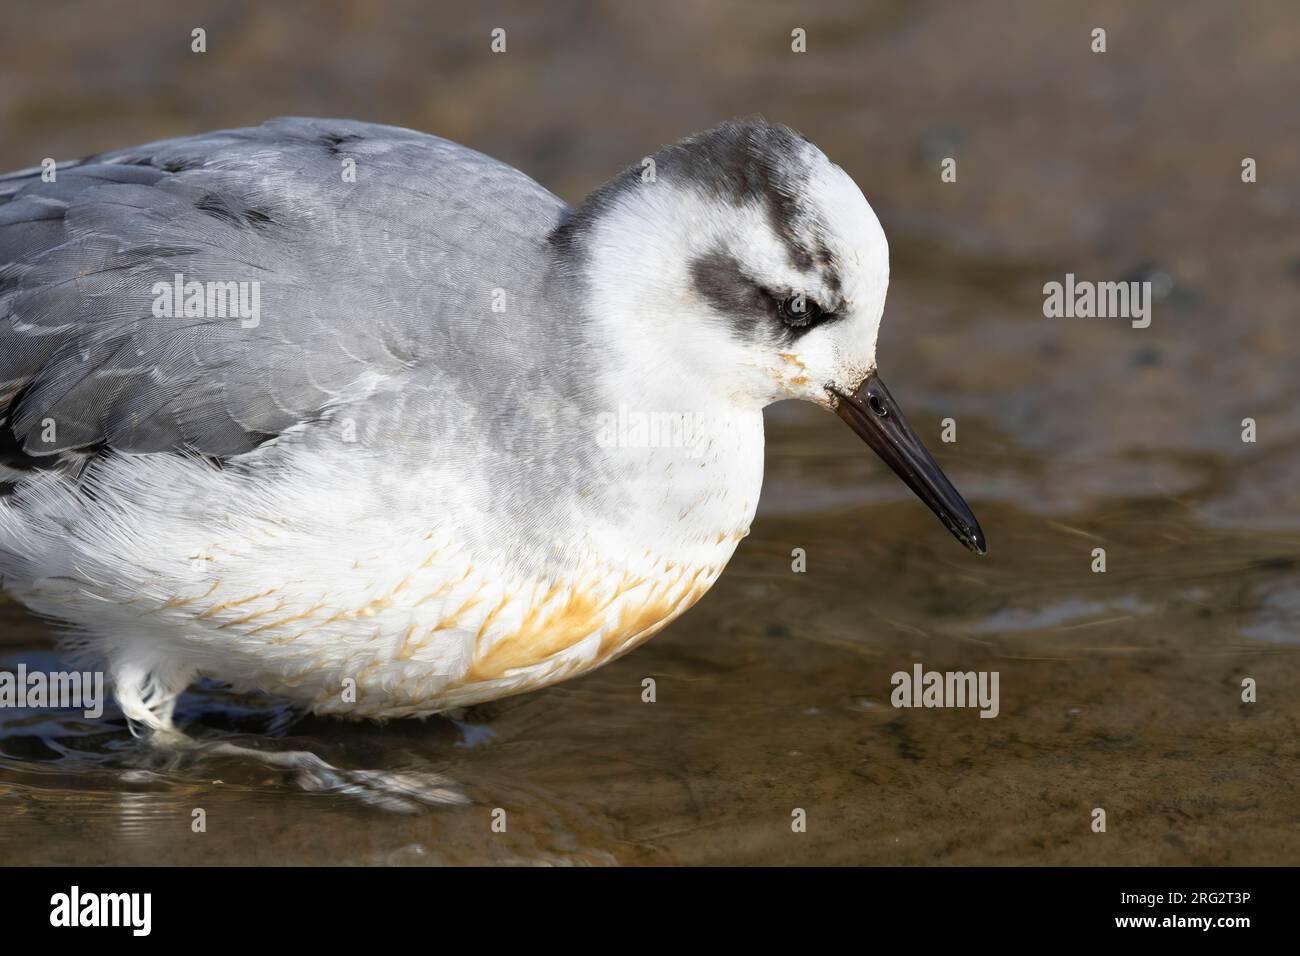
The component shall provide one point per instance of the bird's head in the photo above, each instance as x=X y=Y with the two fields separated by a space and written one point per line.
x=742 y=265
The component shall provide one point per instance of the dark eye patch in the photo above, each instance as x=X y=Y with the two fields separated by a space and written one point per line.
x=719 y=279
x=750 y=308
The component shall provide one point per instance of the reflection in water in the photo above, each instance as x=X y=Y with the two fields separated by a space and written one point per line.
x=1277 y=617
x=1071 y=612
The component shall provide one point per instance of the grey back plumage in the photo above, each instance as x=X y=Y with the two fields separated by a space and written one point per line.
x=383 y=276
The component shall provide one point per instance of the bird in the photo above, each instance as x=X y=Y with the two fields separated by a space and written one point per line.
x=359 y=417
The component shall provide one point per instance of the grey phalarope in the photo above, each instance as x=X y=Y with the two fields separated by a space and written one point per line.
x=361 y=417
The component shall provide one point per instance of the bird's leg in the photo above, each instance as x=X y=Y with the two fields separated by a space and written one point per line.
x=147 y=693
x=388 y=790
x=149 y=702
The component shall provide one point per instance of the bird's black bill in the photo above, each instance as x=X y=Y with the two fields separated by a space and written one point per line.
x=872 y=412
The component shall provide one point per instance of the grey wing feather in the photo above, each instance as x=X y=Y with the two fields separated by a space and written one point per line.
x=354 y=279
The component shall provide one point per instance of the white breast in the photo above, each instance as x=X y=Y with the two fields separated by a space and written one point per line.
x=297 y=586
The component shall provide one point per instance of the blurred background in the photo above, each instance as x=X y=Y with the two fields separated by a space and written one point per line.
x=1120 y=690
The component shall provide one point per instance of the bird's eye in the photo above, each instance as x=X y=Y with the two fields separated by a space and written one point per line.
x=799 y=311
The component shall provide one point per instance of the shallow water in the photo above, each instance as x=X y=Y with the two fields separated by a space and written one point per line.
x=1119 y=690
